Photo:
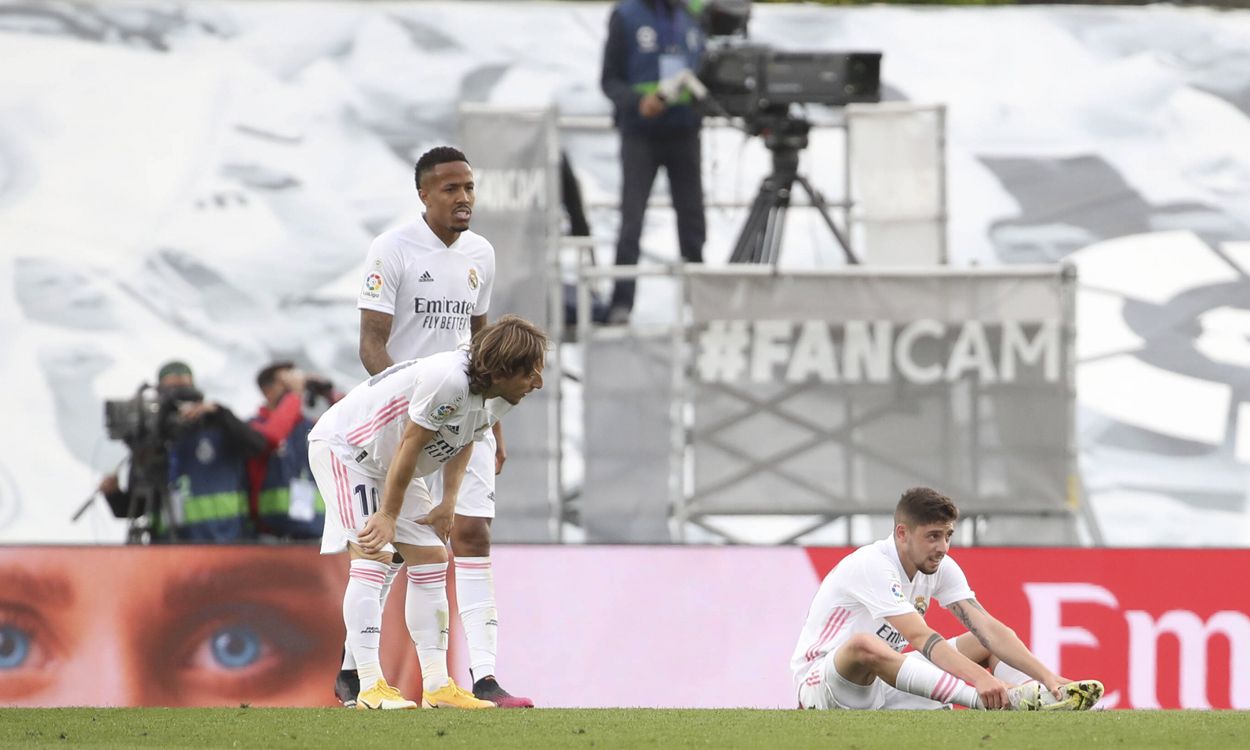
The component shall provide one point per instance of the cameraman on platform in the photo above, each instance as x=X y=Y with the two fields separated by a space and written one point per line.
x=200 y=446
x=651 y=41
x=284 y=499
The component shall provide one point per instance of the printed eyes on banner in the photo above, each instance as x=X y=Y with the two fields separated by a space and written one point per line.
x=27 y=650
x=235 y=648
x=205 y=631
x=15 y=647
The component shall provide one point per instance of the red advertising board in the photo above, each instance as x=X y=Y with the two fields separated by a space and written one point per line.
x=672 y=626
x=1162 y=628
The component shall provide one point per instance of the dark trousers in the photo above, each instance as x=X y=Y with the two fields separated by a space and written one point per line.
x=641 y=158
x=571 y=197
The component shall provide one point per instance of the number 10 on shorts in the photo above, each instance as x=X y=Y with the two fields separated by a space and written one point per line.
x=369 y=500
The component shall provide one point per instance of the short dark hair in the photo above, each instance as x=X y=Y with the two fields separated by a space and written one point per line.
x=435 y=156
x=173 y=367
x=921 y=506
x=269 y=374
x=507 y=347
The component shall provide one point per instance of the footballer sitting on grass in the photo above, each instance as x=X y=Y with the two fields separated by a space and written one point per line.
x=871 y=606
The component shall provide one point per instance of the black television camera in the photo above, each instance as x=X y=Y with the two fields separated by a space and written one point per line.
x=754 y=81
x=759 y=84
x=147 y=423
x=148 y=416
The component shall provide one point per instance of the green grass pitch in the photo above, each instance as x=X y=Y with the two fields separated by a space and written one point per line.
x=275 y=728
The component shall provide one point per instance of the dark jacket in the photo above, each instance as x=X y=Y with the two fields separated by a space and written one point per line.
x=209 y=479
x=639 y=33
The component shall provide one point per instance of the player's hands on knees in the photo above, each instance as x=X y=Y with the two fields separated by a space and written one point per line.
x=378 y=532
x=440 y=519
x=992 y=691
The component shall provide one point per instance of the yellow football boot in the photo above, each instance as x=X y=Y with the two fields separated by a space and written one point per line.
x=452 y=695
x=382 y=697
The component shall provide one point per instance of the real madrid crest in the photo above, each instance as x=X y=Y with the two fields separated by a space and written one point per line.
x=205 y=452
x=922 y=604
x=473 y=281
x=647 y=38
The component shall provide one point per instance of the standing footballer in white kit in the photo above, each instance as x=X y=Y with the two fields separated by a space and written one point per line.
x=369 y=453
x=427 y=289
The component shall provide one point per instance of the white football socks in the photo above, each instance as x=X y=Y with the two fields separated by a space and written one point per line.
x=426 y=611
x=349 y=661
x=362 y=616
x=475 y=597
x=1009 y=674
x=919 y=676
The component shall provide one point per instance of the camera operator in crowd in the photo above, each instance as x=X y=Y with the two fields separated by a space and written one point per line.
x=283 y=496
x=186 y=480
x=651 y=41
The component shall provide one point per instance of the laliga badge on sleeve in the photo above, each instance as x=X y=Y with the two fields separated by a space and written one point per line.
x=372 y=288
x=440 y=413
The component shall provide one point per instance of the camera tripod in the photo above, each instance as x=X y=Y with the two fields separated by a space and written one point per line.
x=148 y=511
x=151 y=517
x=760 y=238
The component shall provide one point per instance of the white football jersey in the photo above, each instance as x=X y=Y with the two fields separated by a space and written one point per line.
x=364 y=428
x=863 y=589
x=430 y=289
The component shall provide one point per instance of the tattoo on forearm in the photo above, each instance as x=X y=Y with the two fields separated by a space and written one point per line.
x=929 y=645
x=958 y=610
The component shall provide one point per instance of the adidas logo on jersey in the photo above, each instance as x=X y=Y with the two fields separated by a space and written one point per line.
x=426 y=277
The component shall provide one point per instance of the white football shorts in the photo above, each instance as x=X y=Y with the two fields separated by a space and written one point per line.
x=823 y=687
x=351 y=496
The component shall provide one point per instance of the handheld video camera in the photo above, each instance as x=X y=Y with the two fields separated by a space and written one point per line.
x=149 y=417
x=147 y=423
x=317 y=388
